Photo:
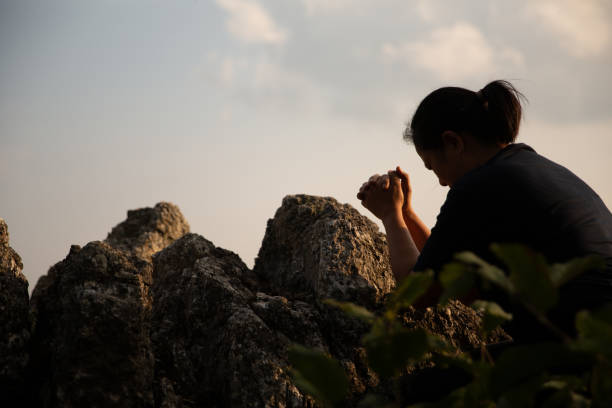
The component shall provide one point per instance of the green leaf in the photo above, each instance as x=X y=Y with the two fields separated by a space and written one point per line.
x=520 y=363
x=465 y=397
x=317 y=374
x=490 y=272
x=353 y=310
x=523 y=394
x=412 y=287
x=423 y=405
x=456 y=359
x=376 y=401
x=390 y=349
x=601 y=384
x=457 y=279
x=604 y=313
x=563 y=273
x=566 y=398
x=555 y=384
x=493 y=316
x=595 y=331
x=529 y=274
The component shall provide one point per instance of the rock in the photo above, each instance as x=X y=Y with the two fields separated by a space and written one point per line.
x=221 y=332
x=91 y=343
x=457 y=323
x=156 y=316
x=317 y=245
x=211 y=347
x=14 y=322
x=148 y=230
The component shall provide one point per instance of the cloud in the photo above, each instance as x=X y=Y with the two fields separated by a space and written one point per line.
x=583 y=26
x=457 y=52
x=249 y=22
x=264 y=83
x=427 y=10
x=326 y=6
x=512 y=57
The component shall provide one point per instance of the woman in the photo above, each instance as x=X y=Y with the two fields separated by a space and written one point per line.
x=499 y=192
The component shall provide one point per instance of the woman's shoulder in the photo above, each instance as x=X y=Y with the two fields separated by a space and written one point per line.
x=519 y=176
x=517 y=165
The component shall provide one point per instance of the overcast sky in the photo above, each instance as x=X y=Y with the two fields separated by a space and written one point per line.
x=223 y=107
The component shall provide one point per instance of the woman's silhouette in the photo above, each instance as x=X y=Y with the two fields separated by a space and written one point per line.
x=499 y=192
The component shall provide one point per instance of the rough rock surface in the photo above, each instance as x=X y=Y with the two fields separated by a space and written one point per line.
x=221 y=331
x=148 y=230
x=455 y=322
x=140 y=320
x=211 y=347
x=14 y=321
x=317 y=244
x=91 y=343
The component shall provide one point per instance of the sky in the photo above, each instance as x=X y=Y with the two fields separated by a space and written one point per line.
x=224 y=107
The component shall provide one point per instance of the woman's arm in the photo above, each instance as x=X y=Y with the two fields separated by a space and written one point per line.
x=403 y=251
x=385 y=198
x=418 y=230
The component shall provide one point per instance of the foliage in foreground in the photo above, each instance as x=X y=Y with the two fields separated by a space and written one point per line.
x=575 y=371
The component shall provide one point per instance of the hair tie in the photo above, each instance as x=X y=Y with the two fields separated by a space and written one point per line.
x=482 y=99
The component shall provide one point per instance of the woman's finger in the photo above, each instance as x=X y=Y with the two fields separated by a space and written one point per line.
x=383 y=182
x=402 y=174
x=395 y=181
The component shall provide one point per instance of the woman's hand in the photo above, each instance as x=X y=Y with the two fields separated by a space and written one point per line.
x=386 y=196
x=376 y=180
x=383 y=195
x=406 y=189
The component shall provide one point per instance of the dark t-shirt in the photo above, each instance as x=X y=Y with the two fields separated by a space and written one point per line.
x=521 y=197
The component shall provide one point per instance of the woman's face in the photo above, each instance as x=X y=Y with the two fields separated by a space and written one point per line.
x=459 y=154
x=442 y=164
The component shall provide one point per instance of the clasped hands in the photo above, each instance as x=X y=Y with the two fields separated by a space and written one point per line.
x=387 y=196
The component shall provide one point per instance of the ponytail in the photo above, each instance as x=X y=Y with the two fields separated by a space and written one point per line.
x=492 y=115
x=502 y=105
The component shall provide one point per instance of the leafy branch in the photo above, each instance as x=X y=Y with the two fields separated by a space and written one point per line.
x=574 y=371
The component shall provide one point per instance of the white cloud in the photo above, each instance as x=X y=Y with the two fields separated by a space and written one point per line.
x=457 y=52
x=510 y=56
x=250 y=22
x=325 y=6
x=263 y=82
x=427 y=10
x=227 y=71
x=583 y=26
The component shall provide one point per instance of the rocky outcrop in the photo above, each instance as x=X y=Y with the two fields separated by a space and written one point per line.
x=317 y=245
x=211 y=347
x=221 y=331
x=458 y=324
x=14 y=321
x=219 y=341
x=91 y=344
x=148 y=230
x=157 y=317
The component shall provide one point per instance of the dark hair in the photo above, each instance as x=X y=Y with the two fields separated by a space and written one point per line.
x=492 y=115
